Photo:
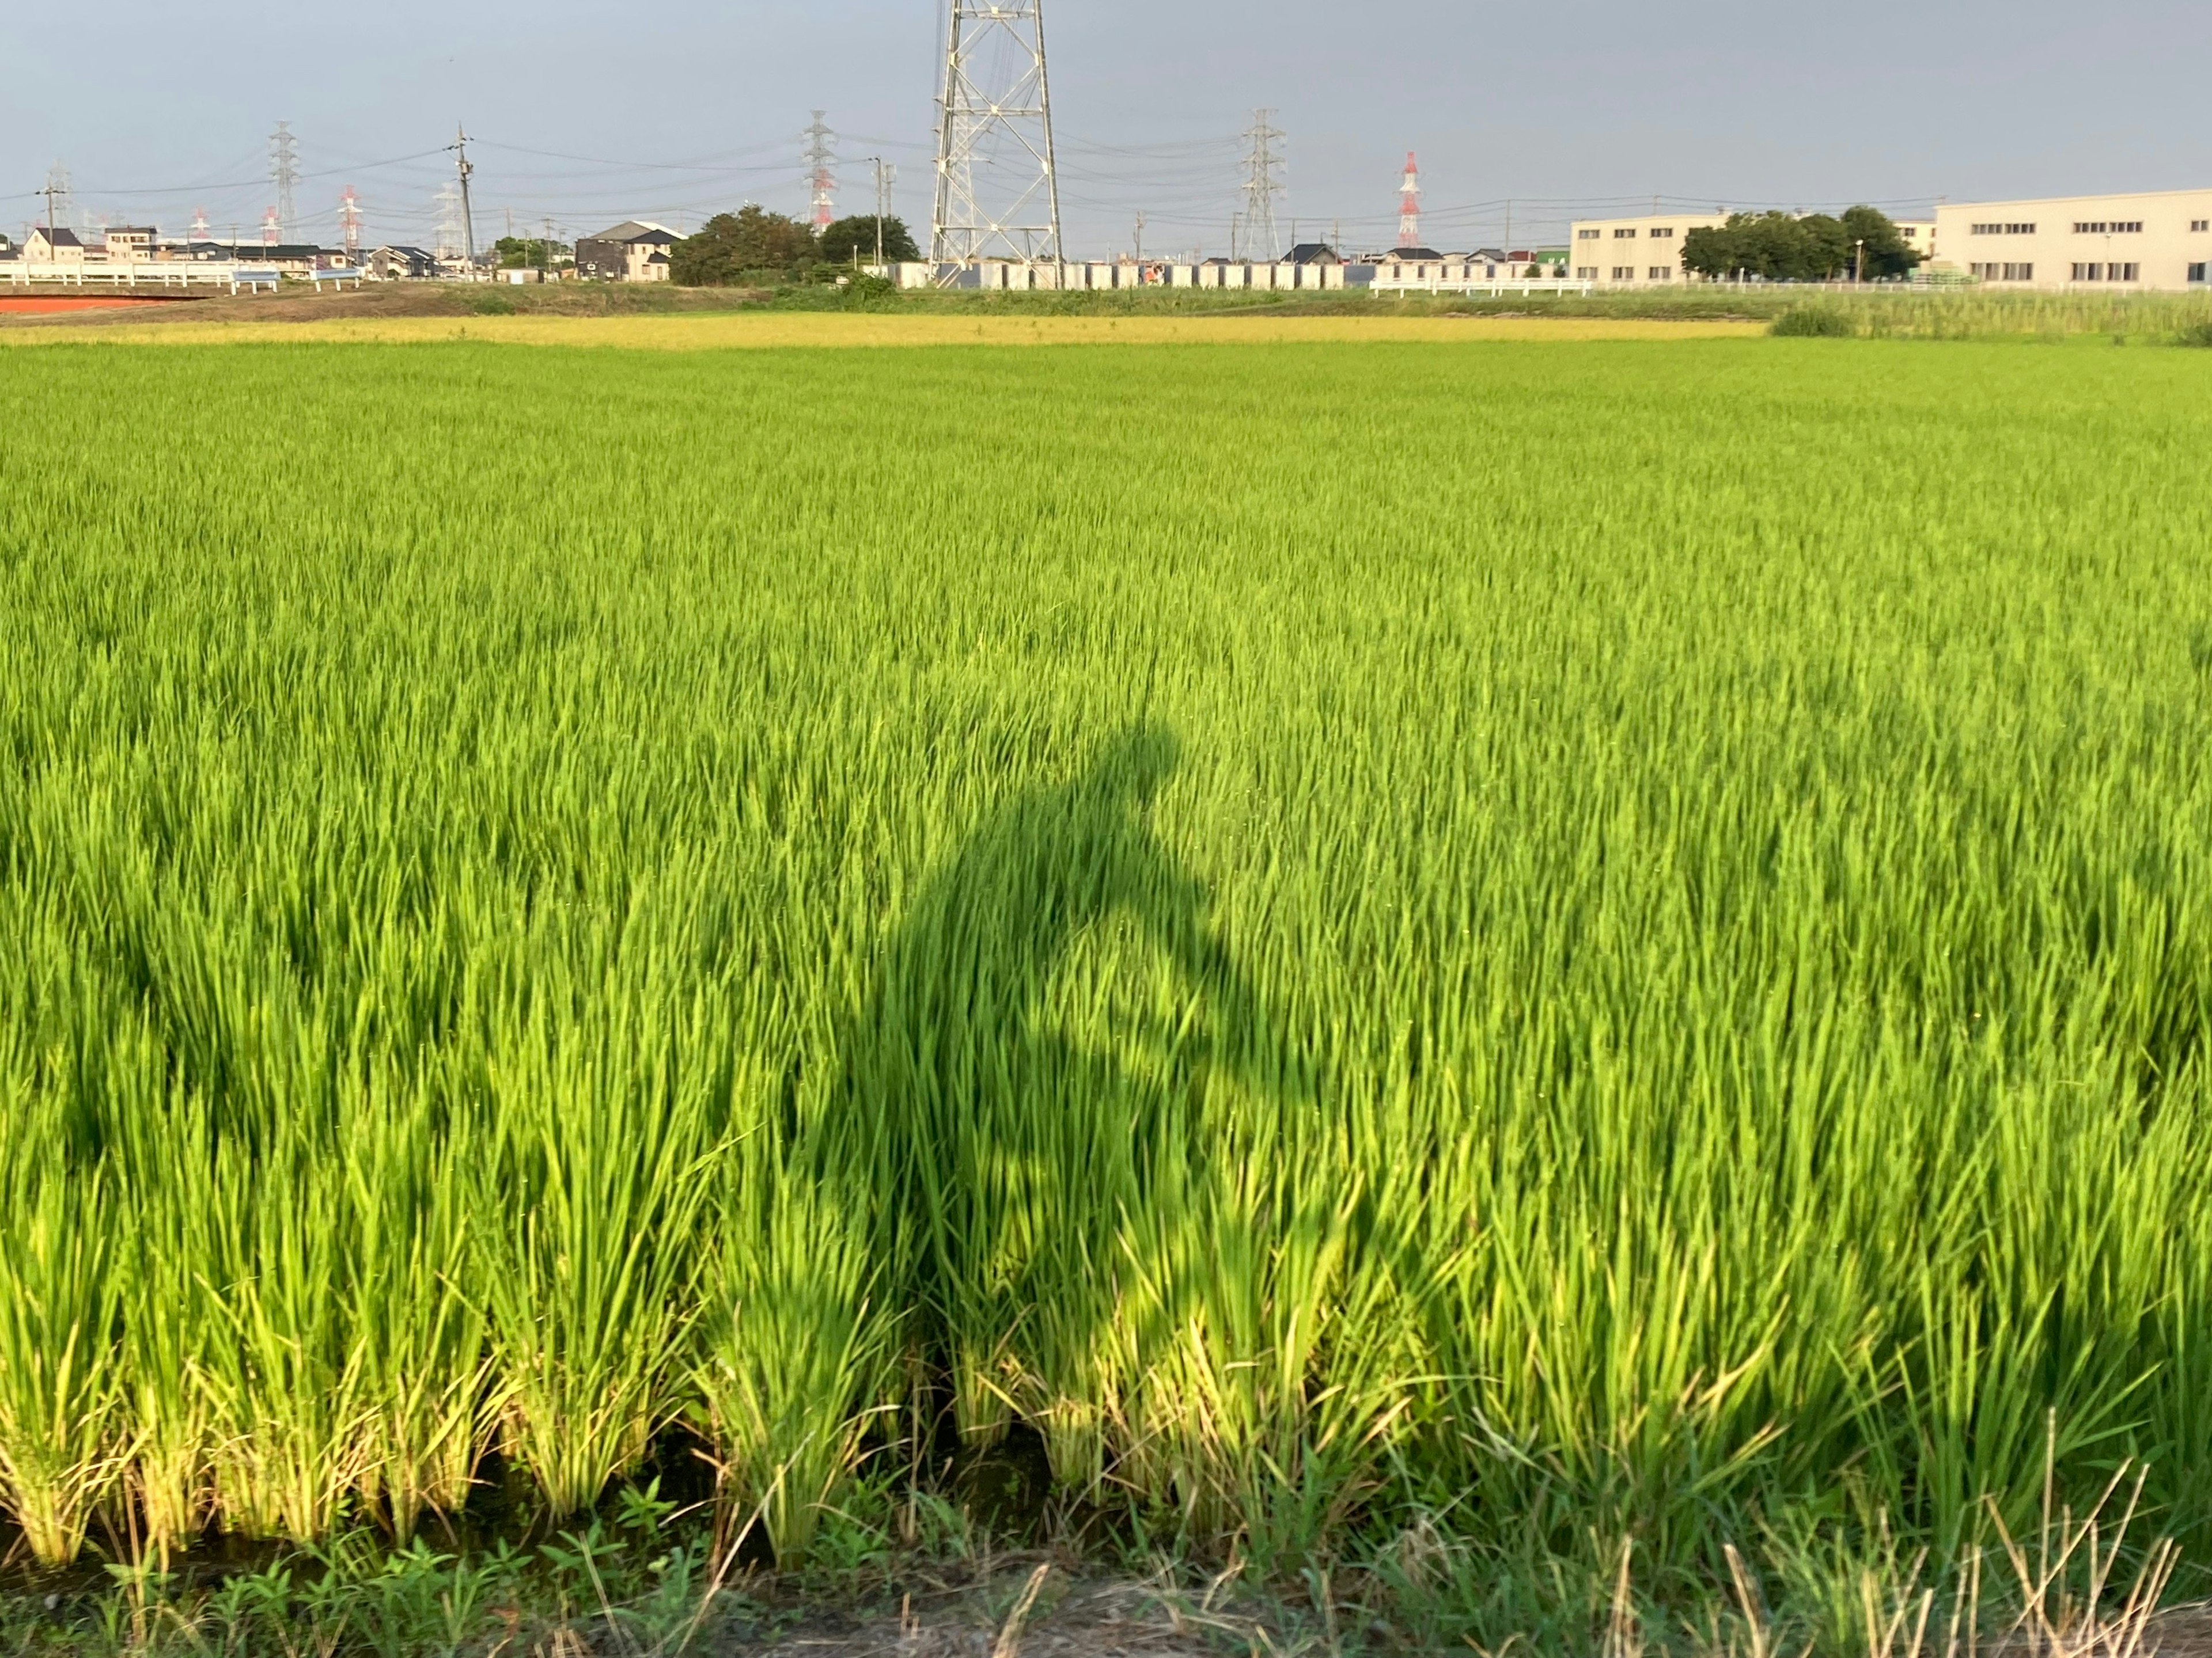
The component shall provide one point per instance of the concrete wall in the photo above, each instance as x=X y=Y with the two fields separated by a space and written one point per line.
x=1100 y=276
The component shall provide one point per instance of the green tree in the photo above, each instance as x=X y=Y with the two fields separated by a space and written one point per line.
x=1777 y=246
x=752 y=242
x=857 y=235
x=1886 y=251
x=529 y=253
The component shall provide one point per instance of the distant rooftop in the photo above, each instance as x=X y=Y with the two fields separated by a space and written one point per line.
x=636 y=230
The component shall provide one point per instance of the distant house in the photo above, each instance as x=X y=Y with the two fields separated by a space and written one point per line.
x=51 y=247
x=635 y=251
x=290 y=259
x=1312 y=253
x=396 y=264
x=127 y=243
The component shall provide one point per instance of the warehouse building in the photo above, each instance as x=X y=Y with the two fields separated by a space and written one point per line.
x=1647 y=251
x=1640 y=252
x=2159 y=242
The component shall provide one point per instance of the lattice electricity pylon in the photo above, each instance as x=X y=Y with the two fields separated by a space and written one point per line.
x=350 y=222
x=284 y=173
x=998 y=185
x=1409 y=204
x=821 y=174
x=1263 y=167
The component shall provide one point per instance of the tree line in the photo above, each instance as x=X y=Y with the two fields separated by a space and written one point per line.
x=753 y=244
x=1788 y=247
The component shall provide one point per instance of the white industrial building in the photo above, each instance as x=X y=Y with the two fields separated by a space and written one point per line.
x=2156 y=242
x=1646 y=250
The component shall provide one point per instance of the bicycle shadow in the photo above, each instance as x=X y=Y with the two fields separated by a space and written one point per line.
x=1009 y=1155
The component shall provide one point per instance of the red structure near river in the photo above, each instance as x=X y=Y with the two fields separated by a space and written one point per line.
x=47 y=304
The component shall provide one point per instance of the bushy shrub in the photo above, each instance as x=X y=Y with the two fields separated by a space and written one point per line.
x=2197 y=334
x=1815 y=322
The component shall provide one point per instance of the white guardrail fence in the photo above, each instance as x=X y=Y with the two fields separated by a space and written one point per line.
x=163 y=274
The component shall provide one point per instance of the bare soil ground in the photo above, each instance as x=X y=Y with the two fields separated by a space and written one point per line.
x=1035 y=1608
x=1048 y=1608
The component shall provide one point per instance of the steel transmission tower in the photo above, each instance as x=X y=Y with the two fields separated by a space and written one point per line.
x=61 y=212
x=1409 y=204
x=349 y=223
x=998 y=184
x=821 y=164
x=284 y=172
x=449 y=222
x=1263 y=166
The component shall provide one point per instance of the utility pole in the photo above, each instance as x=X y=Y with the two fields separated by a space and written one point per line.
x=883 y=204
x=284 y=172
x=56 y=193
x=998 y=179
x=462 y=171
x=1262 y=163
x=1141 y=238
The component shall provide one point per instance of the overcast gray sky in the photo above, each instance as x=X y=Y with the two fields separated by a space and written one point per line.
x=156 y=108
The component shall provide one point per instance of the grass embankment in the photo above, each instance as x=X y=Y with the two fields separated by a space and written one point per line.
x=763 y=330
x=1436 y=967
x=619 y=313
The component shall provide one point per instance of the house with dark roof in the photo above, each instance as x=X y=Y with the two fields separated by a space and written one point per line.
x=48 y=245
x=635 y=251
x=400 y=264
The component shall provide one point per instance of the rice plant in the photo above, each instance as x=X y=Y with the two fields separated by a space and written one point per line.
x=1508 y=946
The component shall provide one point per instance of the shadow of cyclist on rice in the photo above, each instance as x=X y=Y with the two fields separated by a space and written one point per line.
x=1032 y=1062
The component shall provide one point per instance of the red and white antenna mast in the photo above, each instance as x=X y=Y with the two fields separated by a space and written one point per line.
x=1409 y=205
x=200 y=231
x=271 y=230
x=350 y=222
x=821 y=160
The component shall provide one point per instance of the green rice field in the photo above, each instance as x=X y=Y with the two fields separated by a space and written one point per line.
x=1498 y=954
